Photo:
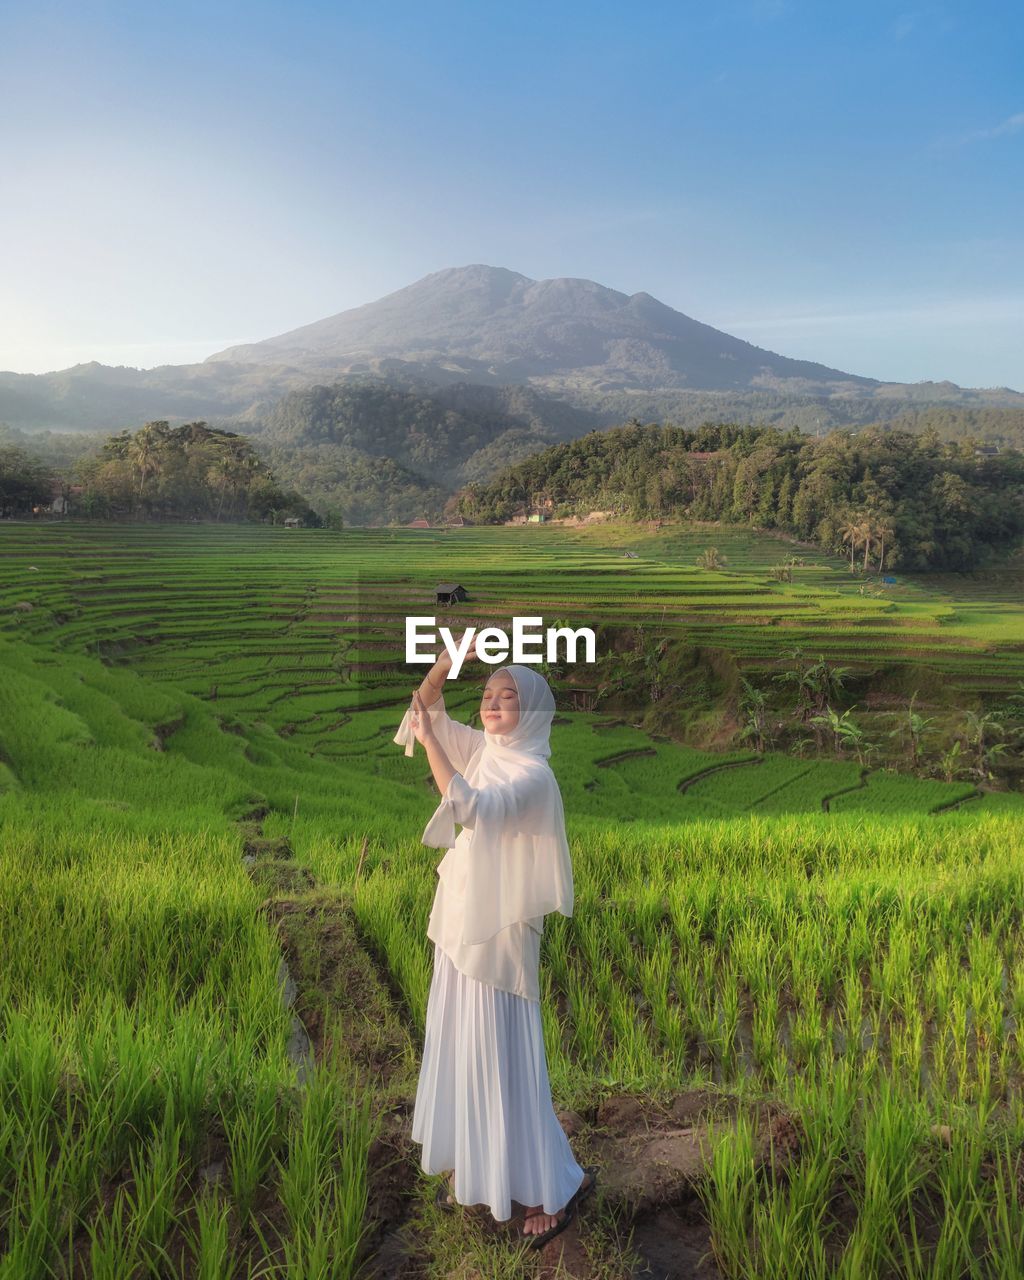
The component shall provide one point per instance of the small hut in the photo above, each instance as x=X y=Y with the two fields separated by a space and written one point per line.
x=60 y=497
x=449 y=593
x=292 y=522
x=418 y=524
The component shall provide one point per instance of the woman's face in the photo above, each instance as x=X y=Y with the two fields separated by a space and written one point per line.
x=499 y=707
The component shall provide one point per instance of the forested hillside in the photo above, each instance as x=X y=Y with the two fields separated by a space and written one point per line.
x=1001 y=427
x=160 y=472
x=954 y=411
x=369 y=453
x=899 y=499
x=377 y=453
x=417 y=431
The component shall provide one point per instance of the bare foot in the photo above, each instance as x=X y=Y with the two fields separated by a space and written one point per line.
x=537 y=1221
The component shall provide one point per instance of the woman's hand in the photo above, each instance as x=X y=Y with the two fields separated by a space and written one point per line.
x=422 y=726
x=444 y=658
x=434 y=681
x=471 y=651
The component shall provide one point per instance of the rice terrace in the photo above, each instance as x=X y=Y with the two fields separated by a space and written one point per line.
x=784 y=1018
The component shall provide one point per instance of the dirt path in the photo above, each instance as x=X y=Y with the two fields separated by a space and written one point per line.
x=643 y=1223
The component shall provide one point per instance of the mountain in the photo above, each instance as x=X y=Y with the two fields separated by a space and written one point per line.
x=374 y=453
x=447 y=437
x=488 y=324
x=575 y=346
x=104 y=397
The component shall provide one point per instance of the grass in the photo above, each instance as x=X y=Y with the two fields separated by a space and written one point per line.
x=859 y=966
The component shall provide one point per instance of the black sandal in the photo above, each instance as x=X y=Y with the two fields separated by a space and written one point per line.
x=568 y=1213
x=441 y=1196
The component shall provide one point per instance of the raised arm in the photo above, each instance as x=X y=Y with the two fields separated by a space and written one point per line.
x=458 y=742
x=433 y=682
x=423 y=726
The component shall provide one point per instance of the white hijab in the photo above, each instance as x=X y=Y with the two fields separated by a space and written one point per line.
x=515 y=874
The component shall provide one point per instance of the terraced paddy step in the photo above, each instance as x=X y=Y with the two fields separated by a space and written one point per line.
x=778 y=952
x=212 y=566
x=652 y=1155
x=343 y=1004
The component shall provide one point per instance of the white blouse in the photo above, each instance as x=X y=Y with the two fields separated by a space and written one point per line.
x=510 y=960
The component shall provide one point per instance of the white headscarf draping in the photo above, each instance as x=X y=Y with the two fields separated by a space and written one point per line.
x=518 y=865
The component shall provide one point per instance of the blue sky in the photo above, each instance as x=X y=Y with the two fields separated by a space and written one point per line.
x=835 y=182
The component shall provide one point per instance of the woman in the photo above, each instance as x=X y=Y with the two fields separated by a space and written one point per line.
x=483 y=1102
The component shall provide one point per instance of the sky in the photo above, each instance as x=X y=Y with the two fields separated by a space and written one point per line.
x=835 y=182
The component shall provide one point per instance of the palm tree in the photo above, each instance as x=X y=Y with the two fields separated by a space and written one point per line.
x=849 y=531
x=227 y=466
x=223 y=469
x=883 y=531
x=143 y=452
x=866 y=533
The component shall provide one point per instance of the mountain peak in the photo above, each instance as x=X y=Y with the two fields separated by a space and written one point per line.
x=490 y=324
x=476 y=270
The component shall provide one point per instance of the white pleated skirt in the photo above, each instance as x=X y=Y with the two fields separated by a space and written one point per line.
x=483 y=1101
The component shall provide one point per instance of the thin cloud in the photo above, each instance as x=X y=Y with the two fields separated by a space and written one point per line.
x=929 y=314
x=769 y=10
x=903 y=25
x=929 y=21
x=1012 y=124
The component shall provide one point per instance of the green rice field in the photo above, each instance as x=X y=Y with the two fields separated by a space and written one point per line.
x=213 y=903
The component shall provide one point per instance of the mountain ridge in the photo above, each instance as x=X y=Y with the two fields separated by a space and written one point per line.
x=609 y=354
x=502 y=325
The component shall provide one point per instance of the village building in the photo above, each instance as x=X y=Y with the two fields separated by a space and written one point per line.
x=537 y=513
x=62 y=496
x=449 y=593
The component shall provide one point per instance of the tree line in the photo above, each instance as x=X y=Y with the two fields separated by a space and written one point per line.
x=886 y=498
x=159 y=472
x=896 y=499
